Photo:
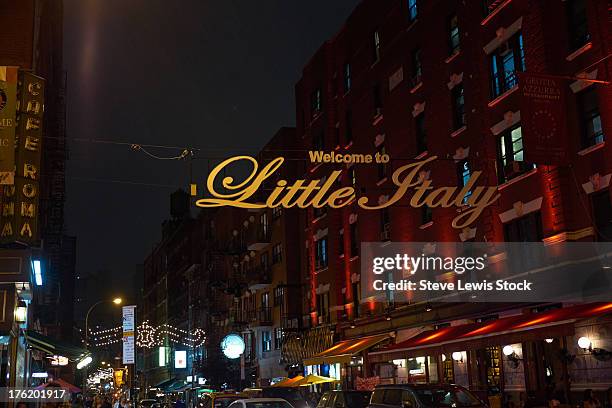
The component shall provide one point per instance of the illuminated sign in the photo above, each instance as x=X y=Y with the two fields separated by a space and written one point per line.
x=232 y=345
x=8 y=103
x=317 y=193
x=180 y=359
x=19 y=214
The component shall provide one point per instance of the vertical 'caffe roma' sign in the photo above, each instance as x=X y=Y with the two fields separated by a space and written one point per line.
x=318 y=193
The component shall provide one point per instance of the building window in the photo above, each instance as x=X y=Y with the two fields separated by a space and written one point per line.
x=592 y=131
x=421 y=134
x=321 y=253
x=278 y=338
x=264 y=261
x=376 y=46
x=377 y=100
x=506 y=61
x=279 y=296
x=510 y=155
x=426 y=215
x=524 y=229
x=276 y=213
x=354 y=240
x=416 y=67
x=463 y=175
x=353 y=177
x=458 y=106
x=264 y=225
x=348 y=123
x=578 y=27
x=347 y=77
x=454 y=43
x=265 y=300
x=385 y=225
x=277 y=253
x=382 y=168
x=315 y=102
x=323 y=307
x=318 y=140
x=602 y=214
x=412 y=10
x=266 y=341
x=341 y=243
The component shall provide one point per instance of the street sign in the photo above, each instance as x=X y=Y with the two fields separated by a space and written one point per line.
x=129 y=324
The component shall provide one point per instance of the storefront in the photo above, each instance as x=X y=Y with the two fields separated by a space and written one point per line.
x=530 y=355
x=345 y=361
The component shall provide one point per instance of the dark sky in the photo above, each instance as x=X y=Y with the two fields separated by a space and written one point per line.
x=211 y=74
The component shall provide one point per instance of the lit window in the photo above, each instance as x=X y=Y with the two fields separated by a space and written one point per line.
x=412 y=10
x=321 y=253
x=315 y=102
x=453 y=34
x=506 y=61
x=592 y=131
x=463 y=174
x=266 y=341
x=510 y=155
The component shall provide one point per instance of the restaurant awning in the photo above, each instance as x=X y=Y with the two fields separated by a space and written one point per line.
x=343 y=351
x=288 y=382
x=53 y=347
x=508 y=330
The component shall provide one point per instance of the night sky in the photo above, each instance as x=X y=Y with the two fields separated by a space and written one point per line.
x=217 y=75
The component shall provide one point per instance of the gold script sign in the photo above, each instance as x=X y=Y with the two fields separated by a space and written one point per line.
x=316 y=193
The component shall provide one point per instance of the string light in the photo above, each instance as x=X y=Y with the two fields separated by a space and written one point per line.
x=149 y=336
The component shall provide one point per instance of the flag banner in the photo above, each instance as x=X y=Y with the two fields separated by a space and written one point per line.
x=543 y=122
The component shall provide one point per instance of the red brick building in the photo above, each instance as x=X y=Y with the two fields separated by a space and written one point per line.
x=414 y=79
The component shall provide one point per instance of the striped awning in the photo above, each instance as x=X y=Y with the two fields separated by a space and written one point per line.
x=343 y=351
x=53 y=347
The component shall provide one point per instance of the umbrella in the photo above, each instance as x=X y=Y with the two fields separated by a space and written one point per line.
x=59 y=383
x=289 y=382
x=311 y=379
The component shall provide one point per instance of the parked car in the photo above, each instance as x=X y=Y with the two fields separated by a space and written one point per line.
x=260 y=403
x=293 y=395
x=220 y=399
x=423 y=396
x=146 y=403
x=345 y=399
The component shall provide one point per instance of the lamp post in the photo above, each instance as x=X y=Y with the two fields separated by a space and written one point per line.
x=116 y=301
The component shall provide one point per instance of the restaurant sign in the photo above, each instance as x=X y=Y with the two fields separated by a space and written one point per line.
x=8 y=103
x=19 y=215
x=410 y=182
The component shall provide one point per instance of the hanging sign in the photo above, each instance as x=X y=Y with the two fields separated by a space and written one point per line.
x=408 y=179
x=129 y=325
x=542 y=99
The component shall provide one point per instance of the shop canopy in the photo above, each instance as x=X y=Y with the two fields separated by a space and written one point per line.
x=343 y=351
x=289 y=382
x=508 y=330
x=312 y=379
x=53 y=347
x=164 y=383
x=59 y=383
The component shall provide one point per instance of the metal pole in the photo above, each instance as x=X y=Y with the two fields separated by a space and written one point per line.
x=87 y=343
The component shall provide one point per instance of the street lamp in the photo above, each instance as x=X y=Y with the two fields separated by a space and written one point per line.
x=116 y=301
